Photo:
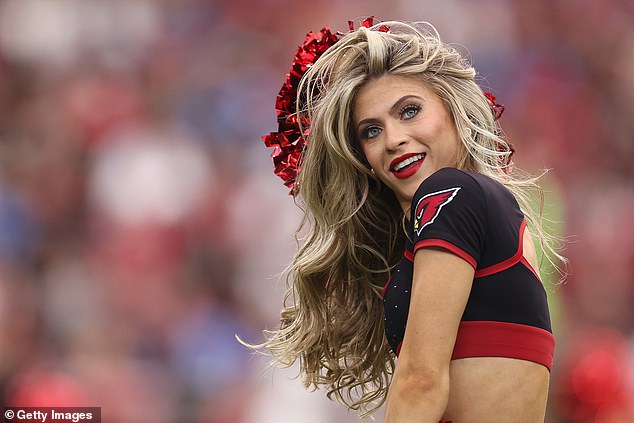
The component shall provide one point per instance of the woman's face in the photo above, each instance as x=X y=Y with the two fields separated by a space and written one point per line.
x=405 y=132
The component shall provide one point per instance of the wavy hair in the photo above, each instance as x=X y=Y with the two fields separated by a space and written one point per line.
x=332 y=320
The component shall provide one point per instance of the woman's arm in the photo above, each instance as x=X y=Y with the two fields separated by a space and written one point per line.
x=440 y=288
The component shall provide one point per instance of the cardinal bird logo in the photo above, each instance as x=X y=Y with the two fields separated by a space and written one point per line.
x=428 y=208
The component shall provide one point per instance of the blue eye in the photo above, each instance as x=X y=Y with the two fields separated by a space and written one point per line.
x=371 y=132
x=409 y=111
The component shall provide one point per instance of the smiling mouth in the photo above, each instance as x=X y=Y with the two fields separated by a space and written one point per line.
x=408 y=162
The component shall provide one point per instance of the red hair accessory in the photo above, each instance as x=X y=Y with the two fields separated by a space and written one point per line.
x=289 y=142
x=497 y=110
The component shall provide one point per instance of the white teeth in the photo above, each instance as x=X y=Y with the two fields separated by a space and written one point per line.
x=408 y=161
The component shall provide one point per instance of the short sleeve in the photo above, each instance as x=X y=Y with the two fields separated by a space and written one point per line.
x=449 y=211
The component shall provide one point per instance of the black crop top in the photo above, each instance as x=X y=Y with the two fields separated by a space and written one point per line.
x=479 y=220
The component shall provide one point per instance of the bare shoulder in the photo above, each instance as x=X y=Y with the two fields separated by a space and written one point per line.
x=485 y=389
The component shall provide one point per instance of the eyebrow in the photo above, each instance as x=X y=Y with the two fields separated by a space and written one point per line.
x=395 y=108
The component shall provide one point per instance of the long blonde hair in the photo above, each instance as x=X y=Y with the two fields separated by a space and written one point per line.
x=333 y=315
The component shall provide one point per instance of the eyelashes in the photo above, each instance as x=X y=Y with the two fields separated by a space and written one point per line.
x=406 y=112
x=370 y=132
x=409 y=111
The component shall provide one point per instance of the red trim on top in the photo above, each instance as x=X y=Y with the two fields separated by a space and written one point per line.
x=510 y=262
x=409 y=255
x=503 y=339
x=385 y=287
x=434 y=242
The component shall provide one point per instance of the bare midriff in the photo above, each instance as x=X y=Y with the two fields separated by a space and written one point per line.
x=486 y=389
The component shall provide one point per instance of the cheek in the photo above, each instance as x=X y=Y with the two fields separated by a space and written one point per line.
x=454 y=146
x=370 y=154
x=458 y=155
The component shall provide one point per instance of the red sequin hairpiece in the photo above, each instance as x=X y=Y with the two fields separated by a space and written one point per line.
x=288 y=141
x=497 y=110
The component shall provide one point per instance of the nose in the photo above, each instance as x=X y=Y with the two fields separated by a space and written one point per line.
x=395 y=138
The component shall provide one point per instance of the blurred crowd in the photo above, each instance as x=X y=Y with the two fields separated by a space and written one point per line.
x=142 y=227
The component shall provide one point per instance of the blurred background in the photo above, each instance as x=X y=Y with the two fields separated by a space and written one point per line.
x=142 y=227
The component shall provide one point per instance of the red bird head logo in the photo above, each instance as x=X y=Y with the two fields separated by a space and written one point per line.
x=428 y=208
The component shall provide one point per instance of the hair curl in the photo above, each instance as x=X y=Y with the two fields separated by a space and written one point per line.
x=332 y=320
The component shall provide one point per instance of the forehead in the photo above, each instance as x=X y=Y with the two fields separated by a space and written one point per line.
x=378 y=95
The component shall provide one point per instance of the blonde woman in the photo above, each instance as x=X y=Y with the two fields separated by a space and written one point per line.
x=418 y=271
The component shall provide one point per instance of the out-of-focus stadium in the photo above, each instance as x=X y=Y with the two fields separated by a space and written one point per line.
x=142 y=227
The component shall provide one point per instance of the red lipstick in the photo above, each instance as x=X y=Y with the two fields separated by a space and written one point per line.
x=409 y=169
